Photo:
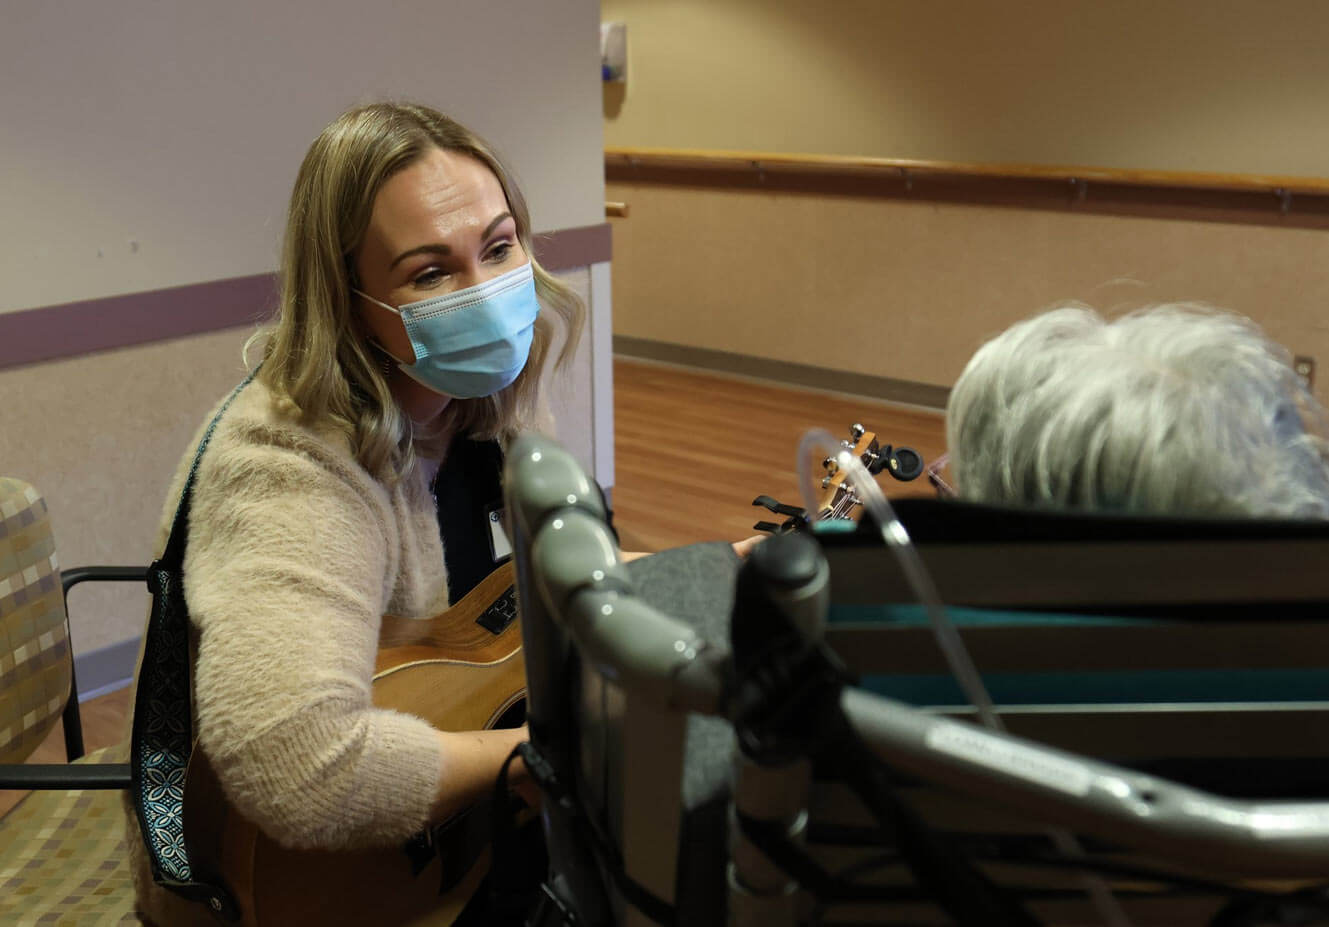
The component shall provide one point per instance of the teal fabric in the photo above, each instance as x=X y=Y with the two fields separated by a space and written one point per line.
x=835 y=526
x=1097 y=688
x=907 y=616
x=1119 y=687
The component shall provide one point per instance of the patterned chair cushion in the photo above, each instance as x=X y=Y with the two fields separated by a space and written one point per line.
x=63 y=859
x=34 y=646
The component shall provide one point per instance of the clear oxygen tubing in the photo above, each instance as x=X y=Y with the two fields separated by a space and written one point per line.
x=813 y=446
x=902 y=546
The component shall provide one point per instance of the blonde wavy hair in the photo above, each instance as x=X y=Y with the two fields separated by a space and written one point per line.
x=316 y=361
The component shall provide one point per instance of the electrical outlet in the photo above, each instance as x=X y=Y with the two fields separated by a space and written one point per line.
x=1305 y=368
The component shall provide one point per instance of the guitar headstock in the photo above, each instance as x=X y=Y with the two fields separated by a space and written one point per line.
x=838 y=497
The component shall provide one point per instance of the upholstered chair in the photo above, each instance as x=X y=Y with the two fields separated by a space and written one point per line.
x=62 y=853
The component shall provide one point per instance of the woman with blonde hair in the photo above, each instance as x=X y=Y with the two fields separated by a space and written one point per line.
x=341 y=483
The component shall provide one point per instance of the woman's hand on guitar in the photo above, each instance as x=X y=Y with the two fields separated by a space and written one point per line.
x=744 y=547
x=520 y=779
x=471 y=760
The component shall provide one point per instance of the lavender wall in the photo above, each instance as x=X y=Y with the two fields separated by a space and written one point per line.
x=149 y=144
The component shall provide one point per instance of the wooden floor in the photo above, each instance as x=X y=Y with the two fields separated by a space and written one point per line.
x=692 y=449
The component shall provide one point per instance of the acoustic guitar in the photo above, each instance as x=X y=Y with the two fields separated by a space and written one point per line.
x=461 y=671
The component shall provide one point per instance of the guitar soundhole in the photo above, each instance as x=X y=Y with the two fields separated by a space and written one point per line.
x=515 y=716
x=502 y=613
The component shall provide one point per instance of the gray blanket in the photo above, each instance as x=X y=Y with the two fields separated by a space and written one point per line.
x=695 y=584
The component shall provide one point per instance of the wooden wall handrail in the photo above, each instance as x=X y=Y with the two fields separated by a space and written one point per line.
x=1279 y=186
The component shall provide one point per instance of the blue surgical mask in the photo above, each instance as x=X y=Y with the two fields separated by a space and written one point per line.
x=472 y=342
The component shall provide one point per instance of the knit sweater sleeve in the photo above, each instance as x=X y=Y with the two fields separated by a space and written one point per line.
x=287 y=572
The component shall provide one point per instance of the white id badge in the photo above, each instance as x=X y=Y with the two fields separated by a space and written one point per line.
x=499 y=545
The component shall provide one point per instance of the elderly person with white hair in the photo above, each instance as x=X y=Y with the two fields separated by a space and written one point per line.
x=1176 y=409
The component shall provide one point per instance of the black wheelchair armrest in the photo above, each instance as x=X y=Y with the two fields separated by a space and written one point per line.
x=65 y=776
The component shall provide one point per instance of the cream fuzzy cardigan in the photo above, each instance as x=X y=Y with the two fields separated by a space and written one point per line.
x=294 y=553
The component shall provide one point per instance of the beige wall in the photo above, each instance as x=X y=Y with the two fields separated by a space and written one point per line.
x=908 y=288
x=858 y=275
x=99 y=436
x=1229 y=85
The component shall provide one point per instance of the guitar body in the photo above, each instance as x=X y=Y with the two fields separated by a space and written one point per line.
x=450 y=670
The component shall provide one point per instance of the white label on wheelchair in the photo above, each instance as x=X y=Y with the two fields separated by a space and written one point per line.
x=997 y=753
x=1302 y=819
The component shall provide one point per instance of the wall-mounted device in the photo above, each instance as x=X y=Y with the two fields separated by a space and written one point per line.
x=614 y=52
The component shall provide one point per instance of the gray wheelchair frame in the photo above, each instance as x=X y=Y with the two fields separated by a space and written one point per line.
x=612 y=812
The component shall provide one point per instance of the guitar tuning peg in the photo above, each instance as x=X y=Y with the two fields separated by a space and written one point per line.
x=856 y=431
x=881 y=459
x=829 y=465
x=826 y=482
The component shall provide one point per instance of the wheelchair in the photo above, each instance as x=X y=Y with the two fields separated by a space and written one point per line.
x=783 y=741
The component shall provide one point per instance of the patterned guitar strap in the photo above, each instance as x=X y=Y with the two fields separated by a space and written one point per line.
x=163 y=727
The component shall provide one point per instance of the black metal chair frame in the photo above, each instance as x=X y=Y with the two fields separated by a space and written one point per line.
x=71 y=775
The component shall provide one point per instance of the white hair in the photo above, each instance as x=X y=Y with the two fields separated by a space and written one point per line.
x=1175 y=409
